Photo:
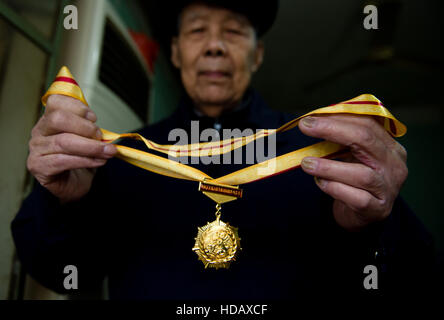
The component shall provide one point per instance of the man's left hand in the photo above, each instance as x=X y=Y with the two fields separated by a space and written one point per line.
x=366 y=187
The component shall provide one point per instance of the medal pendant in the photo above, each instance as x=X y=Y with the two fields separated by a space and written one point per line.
x=217 y=243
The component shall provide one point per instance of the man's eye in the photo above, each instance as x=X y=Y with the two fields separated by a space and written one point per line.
x=234 y=31
x=197 y=30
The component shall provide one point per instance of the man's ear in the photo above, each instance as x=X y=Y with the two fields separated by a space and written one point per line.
x=258 y=55
x=175 y=59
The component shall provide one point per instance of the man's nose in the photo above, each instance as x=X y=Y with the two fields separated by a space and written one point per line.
x=216 y=46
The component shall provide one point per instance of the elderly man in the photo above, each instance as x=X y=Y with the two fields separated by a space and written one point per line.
x=109 y=218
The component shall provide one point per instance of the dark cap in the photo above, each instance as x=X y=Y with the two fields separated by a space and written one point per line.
x=261 y=14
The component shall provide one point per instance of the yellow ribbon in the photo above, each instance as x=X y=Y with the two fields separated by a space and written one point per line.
x=365 y=104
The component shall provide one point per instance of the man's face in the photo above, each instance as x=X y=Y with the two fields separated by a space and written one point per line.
x=216 y=51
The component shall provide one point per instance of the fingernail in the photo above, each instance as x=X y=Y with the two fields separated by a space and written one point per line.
x=91 y=116
x=309 y=122
x=99 y=134
x=320 y=182
x=109 y=149
x=309 y=164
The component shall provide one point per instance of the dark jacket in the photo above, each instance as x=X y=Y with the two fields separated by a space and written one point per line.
x=138 y=228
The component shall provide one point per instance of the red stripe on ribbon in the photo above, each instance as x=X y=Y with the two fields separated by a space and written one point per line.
x=201 y=148
x=359 y=102
x=392 y=126
x=364 y=102
x=66 y=79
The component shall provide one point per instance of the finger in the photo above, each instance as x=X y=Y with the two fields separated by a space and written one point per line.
x=60 y=102
x=357 y=199
x=363 y=141
x=68 y=143
x=353 y=174
x=54 y=164
x=374 y=123
x=377 y=123
x=60 y=121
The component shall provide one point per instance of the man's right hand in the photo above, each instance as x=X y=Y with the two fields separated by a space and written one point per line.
x=65 y=148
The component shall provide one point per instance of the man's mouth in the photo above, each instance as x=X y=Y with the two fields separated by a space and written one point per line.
x=214 y=74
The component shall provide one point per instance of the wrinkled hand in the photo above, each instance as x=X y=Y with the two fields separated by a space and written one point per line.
x=65 y=148
x=366 y=186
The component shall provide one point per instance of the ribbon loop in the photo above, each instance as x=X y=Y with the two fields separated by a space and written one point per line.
x=365 y=104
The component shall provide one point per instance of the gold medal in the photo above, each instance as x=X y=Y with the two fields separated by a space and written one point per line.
x=217 y=243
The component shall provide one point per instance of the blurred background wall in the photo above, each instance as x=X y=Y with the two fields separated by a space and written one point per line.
x=318 y=53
